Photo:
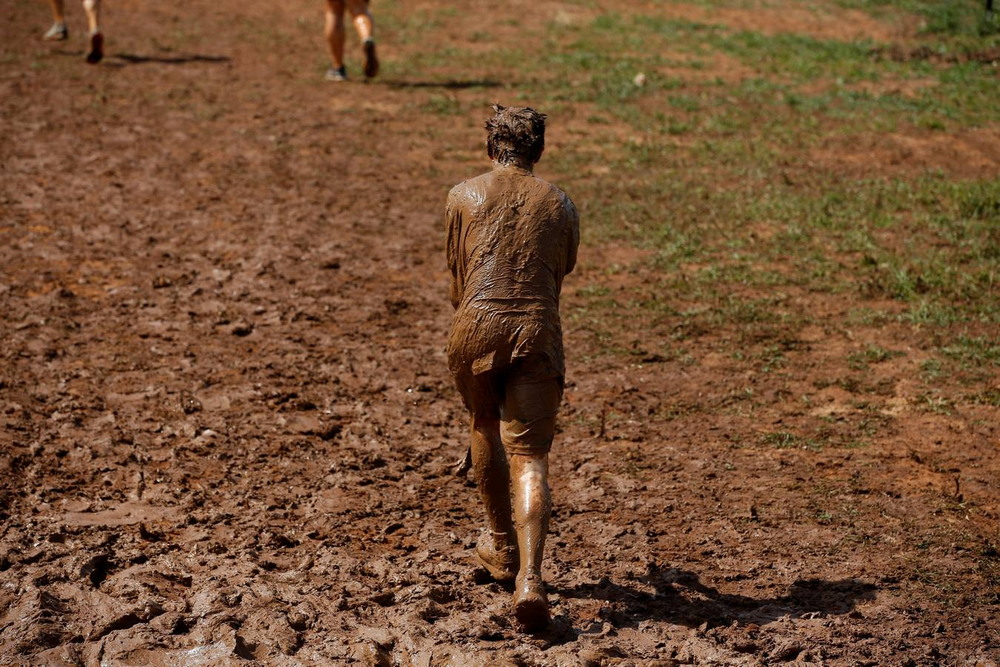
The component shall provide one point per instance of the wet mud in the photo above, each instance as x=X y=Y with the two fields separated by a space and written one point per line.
x=228 y=431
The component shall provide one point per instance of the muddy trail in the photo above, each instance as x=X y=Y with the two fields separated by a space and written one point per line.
x=228 y=434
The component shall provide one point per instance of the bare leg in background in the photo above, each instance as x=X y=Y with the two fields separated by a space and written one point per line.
x=93 y=8
x=58 y=31
x=335 y=37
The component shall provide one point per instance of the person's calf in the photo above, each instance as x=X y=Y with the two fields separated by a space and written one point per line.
x=532 y=508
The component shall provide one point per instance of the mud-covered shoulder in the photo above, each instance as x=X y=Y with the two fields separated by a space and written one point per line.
x=559 y=195
x=470 y=187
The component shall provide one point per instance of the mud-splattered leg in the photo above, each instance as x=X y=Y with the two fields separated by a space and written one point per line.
x=528 y=425
x=532 y=511
x=496 y=549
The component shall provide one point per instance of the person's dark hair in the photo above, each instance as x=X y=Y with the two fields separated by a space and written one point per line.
x=515 y=132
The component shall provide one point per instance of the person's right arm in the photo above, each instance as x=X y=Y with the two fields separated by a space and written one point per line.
x=453 y=222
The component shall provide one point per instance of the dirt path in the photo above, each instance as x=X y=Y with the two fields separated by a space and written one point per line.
x=227 y=426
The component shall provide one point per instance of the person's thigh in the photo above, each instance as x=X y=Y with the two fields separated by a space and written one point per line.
x=480 y=395
x=531 y=400
x=357 y=7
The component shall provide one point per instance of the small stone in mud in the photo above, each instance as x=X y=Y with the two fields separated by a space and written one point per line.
x=96 y=569
x=149 y=535
x=241 y=329
x=786 y=651
x=172 y=623
x=189 y=403
x=490 y=633
x=599 y=656
x=231 y=599
x=386 y=599
x=299 y=619
x=305 y=425
x=369 y=653
x=330 y=432
x=150 y=610
x=396 y=306
x=431 y=611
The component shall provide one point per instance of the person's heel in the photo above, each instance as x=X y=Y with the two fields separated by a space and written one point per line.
x=531 y=606
x=57 y=33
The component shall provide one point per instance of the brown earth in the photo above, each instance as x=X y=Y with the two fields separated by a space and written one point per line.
x=228 y=431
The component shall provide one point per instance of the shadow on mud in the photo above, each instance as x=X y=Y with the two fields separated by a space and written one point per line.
x=681 y=598
x=136 y=59
x=122 y=59
x=447 y=85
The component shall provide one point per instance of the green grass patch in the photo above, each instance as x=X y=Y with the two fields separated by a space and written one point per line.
x=712 y=173
x=961 y=18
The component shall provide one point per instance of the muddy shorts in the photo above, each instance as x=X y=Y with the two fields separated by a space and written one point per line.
x=524 y=396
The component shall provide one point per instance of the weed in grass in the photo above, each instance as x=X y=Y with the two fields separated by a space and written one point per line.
x=868 y=317
x=941 y=19
x=927 y=312
x=441 y=105
x=823 y=517
x=785 y=440
x=974 y=351
x=936 y=404
x=781 y=440
x=684 y=103
x=770 y=359
x=932 y=369
x=872 y=354
x=990 y=397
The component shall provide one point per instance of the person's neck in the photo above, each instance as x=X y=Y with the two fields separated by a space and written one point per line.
x=515 y=164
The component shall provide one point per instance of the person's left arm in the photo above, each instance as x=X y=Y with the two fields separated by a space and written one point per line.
x=573 y=244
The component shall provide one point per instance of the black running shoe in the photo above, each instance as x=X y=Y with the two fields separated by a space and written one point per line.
x=371 y=60
x=96 y=48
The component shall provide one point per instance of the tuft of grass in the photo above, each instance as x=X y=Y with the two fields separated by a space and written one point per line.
x=442 y=105
x=961 y=18
x=786 y=440
x=872 y=354
x=974 y=351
